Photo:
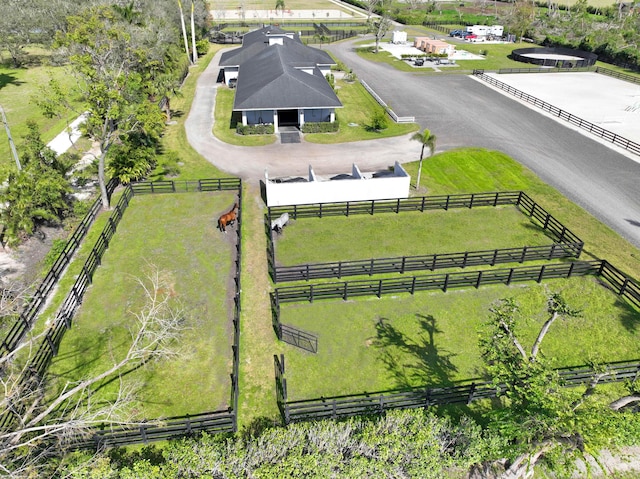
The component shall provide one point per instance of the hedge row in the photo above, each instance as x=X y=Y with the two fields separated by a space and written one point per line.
x=320 y=127
x=255 y=129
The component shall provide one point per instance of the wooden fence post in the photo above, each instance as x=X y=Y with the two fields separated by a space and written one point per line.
x=541 y=275
x=471 y=392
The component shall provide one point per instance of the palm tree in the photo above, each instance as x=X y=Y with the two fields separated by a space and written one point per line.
x=280 y=5
x=428 y=140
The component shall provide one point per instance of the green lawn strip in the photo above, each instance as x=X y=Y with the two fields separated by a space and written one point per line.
x=258 y=344
x=355 y=118
x=192 y=164
x=177 y=234
x=431 y=338
x=358 y=237
x=472 y=170
x=225 y=129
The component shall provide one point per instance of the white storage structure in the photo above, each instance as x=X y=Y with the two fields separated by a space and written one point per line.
x=357 y=186
x=398 y=37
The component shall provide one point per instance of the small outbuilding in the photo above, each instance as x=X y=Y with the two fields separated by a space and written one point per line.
x=429 y=45
x=399 y=37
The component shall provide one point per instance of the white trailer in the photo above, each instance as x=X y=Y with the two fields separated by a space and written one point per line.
x=496 y=30
x=486 y=31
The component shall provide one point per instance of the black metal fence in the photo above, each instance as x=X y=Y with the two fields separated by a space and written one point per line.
x=218 y=421
x=566 y=244
x=546 y=70
x=462 y=393
x=160 y=430
x=565 y=115
x=471 y=279
x=618 y=75
x=27 y=318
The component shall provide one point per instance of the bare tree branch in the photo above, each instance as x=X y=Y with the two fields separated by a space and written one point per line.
x=42 y=426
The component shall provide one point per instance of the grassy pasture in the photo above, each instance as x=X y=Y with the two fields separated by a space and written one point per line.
x=177 y=234
x=341 y=238
x=431 y=338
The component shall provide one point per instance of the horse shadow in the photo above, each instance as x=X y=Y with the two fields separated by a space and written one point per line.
x=426 y=364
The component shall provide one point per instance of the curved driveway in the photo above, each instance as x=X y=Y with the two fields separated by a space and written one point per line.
x=461 y=112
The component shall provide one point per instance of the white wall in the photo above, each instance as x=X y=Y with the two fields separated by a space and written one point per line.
x=229 y=73
x=362 y=187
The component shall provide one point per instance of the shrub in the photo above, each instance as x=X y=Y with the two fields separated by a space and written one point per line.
x=380 y=120
x=331 y=80
x=202 y=46
x=56 y=248
x=255 y=130
x=320 y=127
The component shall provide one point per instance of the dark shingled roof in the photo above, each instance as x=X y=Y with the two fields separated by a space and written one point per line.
x=269 y=82
x=270 y=77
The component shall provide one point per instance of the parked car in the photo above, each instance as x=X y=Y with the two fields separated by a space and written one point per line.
x=455 y=33
x=471 y=37
x=419 y=62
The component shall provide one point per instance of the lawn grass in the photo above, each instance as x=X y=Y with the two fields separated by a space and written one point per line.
x=472 y=170
x=356 y=116
x=357 y=237
x=18 y=88
x=225 y=129
x=196 y=259
x=431 y=338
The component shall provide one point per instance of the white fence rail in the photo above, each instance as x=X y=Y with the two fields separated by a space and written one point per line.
x=392 y=114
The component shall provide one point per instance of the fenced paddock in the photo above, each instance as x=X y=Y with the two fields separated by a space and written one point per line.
x=536 y=235
x=28 y=316
x=429 y=339
x=375 y=403
x=227 y=320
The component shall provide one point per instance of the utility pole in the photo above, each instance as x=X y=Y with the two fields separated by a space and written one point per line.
x=11 y=143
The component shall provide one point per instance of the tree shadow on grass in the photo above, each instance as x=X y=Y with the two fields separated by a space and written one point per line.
x=9 y=79
x=629 y=317
x=427 y=364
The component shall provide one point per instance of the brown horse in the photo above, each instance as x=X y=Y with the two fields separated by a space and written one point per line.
x=228 y=219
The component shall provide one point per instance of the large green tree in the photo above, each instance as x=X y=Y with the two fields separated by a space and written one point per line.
x=35 y=194
x=541 y=419
x=111 y=63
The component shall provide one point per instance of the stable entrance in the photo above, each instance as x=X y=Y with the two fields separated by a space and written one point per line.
x=288 y=118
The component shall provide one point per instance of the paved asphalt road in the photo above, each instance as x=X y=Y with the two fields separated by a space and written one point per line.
x=461 y=112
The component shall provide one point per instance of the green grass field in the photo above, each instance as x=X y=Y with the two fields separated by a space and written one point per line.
x=177 y=234
x=357 y=237
x=431 y=338
x=18 y=89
